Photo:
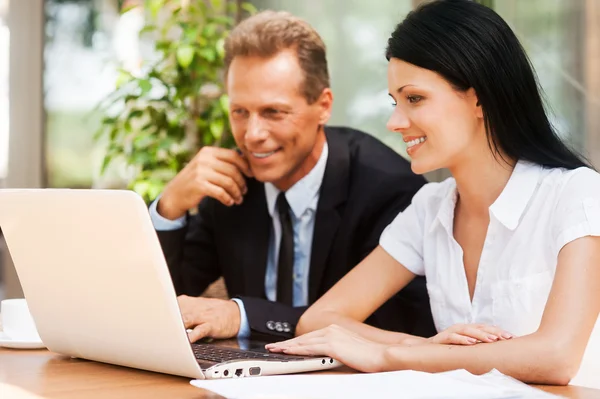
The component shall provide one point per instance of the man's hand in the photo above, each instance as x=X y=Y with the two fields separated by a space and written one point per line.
x=214 y=172
x=209 y=317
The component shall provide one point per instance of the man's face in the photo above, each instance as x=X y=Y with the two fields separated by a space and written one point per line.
x=272 y=122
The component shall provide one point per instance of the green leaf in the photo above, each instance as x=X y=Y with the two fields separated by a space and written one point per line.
x=145 y=85
x=122 y=78
x=208 y=54
x=141 y=187
x=224 y=102
x=130 y=97
x=105 y=162
x=141 y=158
x=185 y=55
x=148 y=28
x=113 y=133
x=143 y=141
x=190 y=33
x=108 y=120
x=209 y=30
x=216 y=128
x=154 y=6
x=249 y=8
x=220 y=47
x=136 y=113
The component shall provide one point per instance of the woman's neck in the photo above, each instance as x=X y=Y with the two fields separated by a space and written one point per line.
x=480 y=179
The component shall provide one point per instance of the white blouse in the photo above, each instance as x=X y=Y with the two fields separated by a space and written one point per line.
x=539 y=211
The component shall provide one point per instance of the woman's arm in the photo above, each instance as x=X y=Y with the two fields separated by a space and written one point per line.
x=356 y=296
x=553 y=353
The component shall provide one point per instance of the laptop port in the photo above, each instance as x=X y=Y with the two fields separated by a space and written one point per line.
x=226 y=373
x=254 y=371
x=239 y=372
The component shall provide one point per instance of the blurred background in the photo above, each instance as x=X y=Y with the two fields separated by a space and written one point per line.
x=59 y=59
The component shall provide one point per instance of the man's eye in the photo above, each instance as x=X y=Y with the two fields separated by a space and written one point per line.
x=414 y=99
x=238 y=112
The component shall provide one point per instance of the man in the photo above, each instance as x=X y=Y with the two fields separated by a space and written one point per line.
x=294 y=209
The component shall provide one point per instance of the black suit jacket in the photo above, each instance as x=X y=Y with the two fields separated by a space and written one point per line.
x=365 y=186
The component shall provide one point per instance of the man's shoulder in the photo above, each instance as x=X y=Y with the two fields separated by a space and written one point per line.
x=365 y=148
x=372 y=161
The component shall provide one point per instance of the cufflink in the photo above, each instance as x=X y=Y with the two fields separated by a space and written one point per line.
x=271 y=325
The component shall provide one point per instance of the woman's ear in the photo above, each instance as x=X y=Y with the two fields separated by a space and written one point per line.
x=474 y=100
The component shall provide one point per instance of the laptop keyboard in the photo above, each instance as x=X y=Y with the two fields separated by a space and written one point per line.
x=220 y=354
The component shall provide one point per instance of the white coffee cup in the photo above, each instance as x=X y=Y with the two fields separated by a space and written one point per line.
x=17 y=323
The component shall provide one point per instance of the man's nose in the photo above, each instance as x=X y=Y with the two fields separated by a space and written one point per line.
x=256 y=129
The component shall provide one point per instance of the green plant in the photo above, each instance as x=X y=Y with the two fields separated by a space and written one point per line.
x=156 y=121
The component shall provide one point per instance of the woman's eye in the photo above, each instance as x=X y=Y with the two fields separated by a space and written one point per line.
x=394 y=104
x=414 y=99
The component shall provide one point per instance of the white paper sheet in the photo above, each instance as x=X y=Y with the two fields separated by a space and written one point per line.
x=397 y=384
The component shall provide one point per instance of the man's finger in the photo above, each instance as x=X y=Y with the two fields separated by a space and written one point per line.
x=227 y=183
x=235 y=158
x=218 y=193
x=199 y=332
x=231 y=170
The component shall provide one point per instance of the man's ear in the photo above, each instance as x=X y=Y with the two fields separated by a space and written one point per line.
x=325 y=103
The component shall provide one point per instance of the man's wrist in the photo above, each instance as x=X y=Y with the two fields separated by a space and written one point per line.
x=244 y=325
x=166 y=209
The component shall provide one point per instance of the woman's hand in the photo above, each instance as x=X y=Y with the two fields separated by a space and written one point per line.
x=336 y=342
x=470 y=334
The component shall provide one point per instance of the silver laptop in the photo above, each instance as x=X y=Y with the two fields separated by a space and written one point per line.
x=98 y=287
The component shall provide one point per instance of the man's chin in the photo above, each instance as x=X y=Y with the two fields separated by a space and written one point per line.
x=267 y=176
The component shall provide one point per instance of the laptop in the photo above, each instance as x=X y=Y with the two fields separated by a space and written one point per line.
x=98 y=287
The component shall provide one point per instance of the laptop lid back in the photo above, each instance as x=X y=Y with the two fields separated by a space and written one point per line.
x=95 y=277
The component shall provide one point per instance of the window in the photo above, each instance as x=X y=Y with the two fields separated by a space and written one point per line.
x=4 y=67
x=85 y=40
x=355 y=33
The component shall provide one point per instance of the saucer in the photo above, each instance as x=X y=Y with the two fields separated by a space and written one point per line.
x=19 y=344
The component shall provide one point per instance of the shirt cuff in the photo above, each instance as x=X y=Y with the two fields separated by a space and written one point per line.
x=244 y=325
x=163 y=224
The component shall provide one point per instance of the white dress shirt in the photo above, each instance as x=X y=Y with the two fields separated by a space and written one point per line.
x=303 y=198
x=539 y=211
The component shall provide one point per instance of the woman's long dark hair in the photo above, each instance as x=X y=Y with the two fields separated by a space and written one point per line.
x=470 y=45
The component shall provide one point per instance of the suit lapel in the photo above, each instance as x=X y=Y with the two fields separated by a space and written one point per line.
x=255 y=230
x=333 y=193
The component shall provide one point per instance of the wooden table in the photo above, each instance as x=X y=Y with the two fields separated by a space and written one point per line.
x=50 y=375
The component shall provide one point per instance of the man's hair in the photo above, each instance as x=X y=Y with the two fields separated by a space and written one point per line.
x=270 y=32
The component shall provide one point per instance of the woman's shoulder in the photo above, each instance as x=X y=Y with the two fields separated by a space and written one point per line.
x=570 y=182
x=569 y=189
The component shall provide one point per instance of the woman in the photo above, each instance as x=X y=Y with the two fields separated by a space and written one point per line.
x=510 y=240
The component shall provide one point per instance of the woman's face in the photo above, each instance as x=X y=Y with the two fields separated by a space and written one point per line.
x=440 y=125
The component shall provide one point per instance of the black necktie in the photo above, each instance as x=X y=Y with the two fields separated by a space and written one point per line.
x=285 y=269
